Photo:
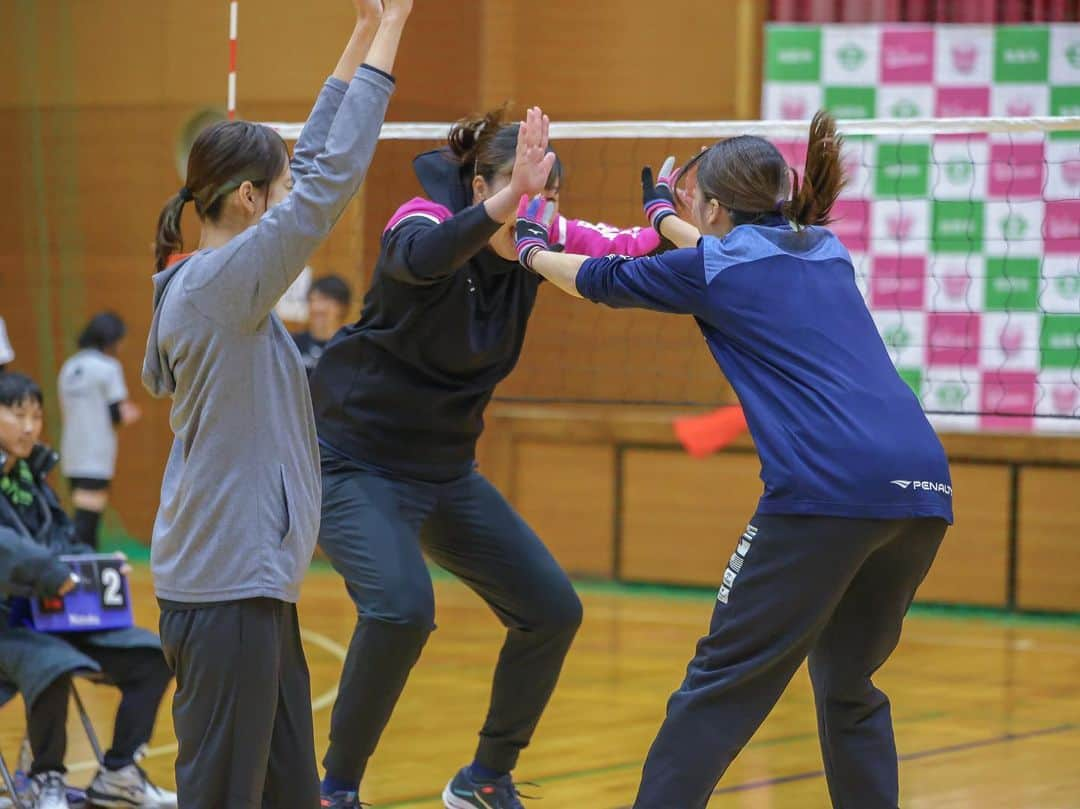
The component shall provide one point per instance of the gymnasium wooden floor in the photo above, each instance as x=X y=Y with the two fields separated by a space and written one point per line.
x=987 y=710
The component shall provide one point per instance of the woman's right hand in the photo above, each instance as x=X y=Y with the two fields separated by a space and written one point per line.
x=532 y=167
x=533 y=162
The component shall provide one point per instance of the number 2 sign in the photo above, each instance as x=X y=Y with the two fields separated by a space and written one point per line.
x=102 y=599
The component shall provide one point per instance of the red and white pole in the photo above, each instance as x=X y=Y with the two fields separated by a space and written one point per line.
x=233 y=12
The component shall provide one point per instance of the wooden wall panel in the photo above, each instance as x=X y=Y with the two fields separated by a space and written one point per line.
x=972 y=565
x=681 y=517
x=1048 y=575
x=566 y=493
x=598 y=59
x=674 y=509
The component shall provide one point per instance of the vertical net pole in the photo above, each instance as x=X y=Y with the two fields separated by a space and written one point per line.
x=231 y=103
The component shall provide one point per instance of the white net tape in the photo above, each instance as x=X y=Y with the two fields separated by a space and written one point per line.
x=570 y=130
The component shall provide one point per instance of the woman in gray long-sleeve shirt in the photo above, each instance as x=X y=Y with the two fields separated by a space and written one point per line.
x=240 y=500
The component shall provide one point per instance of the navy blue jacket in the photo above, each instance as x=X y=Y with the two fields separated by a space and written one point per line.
x=839 y=433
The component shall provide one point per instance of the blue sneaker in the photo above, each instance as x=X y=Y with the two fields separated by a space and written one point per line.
x=463 y=792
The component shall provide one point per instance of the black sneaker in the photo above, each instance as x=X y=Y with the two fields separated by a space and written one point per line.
x=463 y=792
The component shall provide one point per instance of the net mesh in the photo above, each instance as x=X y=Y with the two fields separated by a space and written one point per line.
x=964 y=234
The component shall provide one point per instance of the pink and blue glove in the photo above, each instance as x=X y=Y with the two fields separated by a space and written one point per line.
x=658 y=199
x=532 y=231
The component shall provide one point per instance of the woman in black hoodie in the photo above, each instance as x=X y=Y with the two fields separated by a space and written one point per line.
x=399 y=401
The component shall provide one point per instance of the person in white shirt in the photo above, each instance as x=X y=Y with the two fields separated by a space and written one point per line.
x=7 y=353
x=94 y=402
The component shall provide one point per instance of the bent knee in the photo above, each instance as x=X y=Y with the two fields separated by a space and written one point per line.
x=559 y=616
x=406 y=607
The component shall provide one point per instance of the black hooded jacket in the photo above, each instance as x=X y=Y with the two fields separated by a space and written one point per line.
x=404 y=389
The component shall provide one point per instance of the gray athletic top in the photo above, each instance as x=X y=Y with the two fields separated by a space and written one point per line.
x=240 y=501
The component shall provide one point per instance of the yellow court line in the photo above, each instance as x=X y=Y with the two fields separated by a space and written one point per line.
x=320 y=702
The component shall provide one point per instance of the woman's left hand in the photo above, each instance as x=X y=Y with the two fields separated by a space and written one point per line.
x=657 y=198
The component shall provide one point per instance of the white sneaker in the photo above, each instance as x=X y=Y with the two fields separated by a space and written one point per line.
x=128 y=787
x=49 y=791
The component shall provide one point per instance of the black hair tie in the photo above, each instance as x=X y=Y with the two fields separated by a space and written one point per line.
x=185 y=194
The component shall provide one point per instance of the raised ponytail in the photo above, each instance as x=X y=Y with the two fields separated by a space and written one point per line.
x=169 y=238
x=486 y=146
x=469 y=137
x=823 y=177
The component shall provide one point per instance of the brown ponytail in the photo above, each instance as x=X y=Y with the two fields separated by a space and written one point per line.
x=169 y=239
x=224 y=156
x=812 y=200
x=749 y=177
x=471 y=138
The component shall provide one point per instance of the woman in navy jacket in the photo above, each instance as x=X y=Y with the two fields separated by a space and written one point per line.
x=857 y=490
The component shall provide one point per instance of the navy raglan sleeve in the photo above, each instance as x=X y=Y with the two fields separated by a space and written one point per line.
x=672 y=282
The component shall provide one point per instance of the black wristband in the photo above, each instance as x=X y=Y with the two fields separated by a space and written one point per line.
x=382 y=73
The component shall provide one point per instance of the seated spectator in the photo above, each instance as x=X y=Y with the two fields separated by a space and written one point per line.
x=7 y=353
x=34 y=532
x=328 y=309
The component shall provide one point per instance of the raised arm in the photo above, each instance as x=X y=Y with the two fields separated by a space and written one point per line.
x=313 y=137
x=425 y=242
x=261 y=263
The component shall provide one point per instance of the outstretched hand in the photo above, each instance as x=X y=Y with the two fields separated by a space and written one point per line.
x=657 y=198
x=532 y=162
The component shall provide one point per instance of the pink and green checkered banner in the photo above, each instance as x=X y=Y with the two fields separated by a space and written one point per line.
x=967 y=246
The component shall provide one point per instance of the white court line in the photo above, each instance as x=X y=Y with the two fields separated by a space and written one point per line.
x=911 y=634
x=319 y=703
x=608 y=611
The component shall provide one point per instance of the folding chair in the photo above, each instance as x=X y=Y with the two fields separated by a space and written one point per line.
x=17 y=788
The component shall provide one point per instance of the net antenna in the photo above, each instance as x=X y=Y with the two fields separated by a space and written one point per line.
x=230 y=101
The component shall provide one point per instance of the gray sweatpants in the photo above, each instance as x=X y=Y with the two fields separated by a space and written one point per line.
x=242 y=709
